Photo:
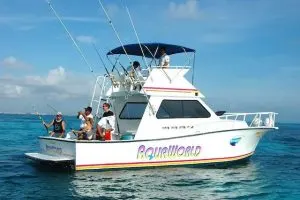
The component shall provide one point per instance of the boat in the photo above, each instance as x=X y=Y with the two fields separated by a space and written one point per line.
x=164 y=122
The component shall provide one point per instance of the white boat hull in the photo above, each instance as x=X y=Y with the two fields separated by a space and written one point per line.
x=214 y=147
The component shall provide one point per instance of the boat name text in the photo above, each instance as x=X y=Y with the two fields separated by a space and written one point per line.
x=53 y=149
x=177 y=127
x=167 y=152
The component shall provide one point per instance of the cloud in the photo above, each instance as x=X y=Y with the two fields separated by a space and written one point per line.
x=11 y=19
x=27 y=19
x=77 y=19
x=86 y=39
x=56 y=85
x=54 y=77
x=10 y=90
x=13 y=63
x=25 y=28
x=187 y=10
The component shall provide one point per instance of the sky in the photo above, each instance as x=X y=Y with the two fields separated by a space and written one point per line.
x=247 y=51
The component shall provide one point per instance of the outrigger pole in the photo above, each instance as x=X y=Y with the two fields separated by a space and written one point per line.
x=137 y=37
x=194 y=58
x=100 y=57
x=114 y=65
x=116 y=33
x=71 y=37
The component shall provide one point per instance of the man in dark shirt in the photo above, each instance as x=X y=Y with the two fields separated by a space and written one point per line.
x=107 y=111
x=58 y=126
x=107 y=122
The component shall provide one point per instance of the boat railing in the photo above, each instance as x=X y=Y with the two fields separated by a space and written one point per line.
x=173 y=67
x=259 y=119
x=100 y=88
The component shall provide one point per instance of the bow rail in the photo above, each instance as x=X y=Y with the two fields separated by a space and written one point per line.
x=259 y=119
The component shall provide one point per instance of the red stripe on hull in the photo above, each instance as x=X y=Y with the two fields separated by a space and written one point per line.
x=179 y=89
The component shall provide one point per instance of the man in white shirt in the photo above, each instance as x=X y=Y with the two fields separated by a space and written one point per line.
x=106 y=123
x=164 y=60
x=86 y=125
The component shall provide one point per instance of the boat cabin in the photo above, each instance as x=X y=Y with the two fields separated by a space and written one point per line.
x=158 y=99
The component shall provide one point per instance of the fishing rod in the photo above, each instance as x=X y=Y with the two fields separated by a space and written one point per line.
x=111 y=77
x=100 y=57
x=137 y=37
x=114 y=65
x=117 y=35
x=41 y=118
x=113 y=27
x=56 y=111
x=52 y=108
x=71 y=37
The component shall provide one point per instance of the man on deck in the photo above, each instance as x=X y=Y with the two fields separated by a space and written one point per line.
x=164 y=60
x=107 y=122
x=58 y=126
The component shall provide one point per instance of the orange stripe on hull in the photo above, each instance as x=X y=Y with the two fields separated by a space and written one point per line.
x=160 y=163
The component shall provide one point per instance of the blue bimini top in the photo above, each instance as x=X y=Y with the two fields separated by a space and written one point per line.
x=151 y=50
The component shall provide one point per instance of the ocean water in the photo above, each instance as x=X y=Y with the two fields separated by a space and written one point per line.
x=272 y=173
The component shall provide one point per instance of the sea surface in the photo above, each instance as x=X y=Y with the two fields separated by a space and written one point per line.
x=272 y=173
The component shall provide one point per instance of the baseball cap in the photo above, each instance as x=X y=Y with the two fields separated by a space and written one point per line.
x=89 y=108
x=59 y=113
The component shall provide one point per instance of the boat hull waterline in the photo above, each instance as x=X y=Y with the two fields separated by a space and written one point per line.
x=213 y=147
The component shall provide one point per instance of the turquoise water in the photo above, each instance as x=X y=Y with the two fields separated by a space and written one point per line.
x=272 y=173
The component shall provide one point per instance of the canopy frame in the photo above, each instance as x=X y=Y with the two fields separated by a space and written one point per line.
x=149 y=49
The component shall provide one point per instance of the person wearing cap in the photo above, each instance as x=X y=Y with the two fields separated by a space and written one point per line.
x=58 y=126
x=86 y=126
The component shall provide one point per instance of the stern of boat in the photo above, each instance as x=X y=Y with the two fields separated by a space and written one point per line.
x=55 y=150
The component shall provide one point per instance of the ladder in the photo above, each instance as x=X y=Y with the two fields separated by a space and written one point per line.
x=99 y=92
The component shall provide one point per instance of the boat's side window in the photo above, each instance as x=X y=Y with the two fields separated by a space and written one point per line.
x=181 y=109
x=133 y=110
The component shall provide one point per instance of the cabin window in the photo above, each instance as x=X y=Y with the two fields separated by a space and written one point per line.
x=133 y=110
x=181 y=109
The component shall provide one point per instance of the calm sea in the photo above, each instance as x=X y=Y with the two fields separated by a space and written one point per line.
x=272 y=173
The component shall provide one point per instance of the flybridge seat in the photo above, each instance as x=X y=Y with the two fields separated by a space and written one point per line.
x=146 y=71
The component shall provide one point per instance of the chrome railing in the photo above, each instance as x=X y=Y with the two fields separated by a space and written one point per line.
x=259 y=119
x=101 y=86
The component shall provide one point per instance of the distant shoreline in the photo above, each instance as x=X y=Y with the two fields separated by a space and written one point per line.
x=43 y=114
